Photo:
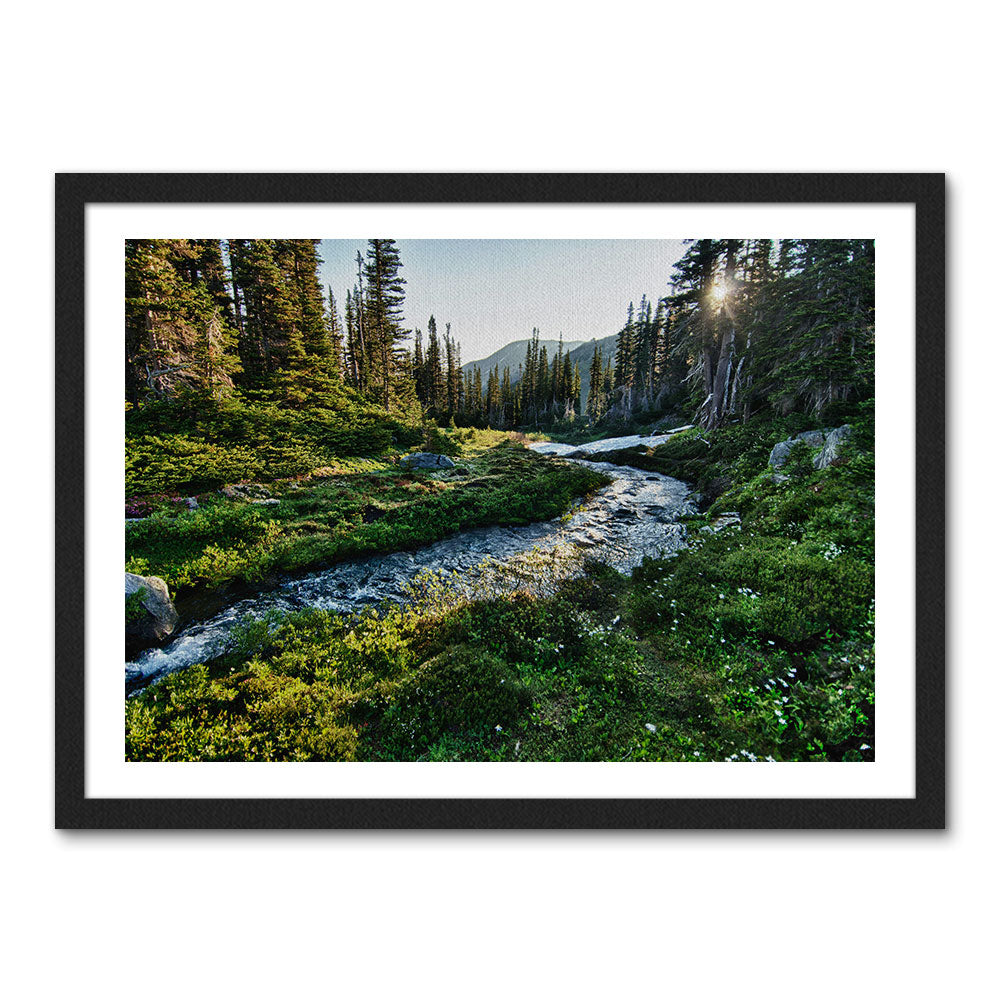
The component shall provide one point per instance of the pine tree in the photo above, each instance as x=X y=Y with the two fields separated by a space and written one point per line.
x=477 y=392
x=383 y=315
x=301 y=261
x=437 y=387
x=178 y=335
x=625 y=352
x=453 y=373
x=595 y=400
x=354 y=354
x=270 y=310
x=493 y=403
x=419 y=367
x=570 y=388
x=336 y=363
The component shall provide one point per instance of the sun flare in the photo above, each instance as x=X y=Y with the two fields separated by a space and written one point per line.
x=718 y=292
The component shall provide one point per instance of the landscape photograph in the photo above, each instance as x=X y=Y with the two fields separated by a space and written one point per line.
x=499 y=500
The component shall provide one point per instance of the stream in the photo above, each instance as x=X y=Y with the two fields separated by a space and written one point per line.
x=621 y=524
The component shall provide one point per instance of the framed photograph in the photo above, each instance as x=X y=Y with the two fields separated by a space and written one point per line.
x=500 y=501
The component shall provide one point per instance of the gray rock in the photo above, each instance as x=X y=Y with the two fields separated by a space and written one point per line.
x=725 y=520
x=160 y=616
x=625 y=513
x=781 y=451
x=426 y=460
x=832 y=446
x=270 y=502
x=812 y=438
x=191 y=503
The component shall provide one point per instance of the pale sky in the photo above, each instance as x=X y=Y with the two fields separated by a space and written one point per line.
x=494 y=291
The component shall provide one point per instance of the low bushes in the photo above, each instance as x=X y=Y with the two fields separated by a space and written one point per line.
x=171 y=448
x=208 y=546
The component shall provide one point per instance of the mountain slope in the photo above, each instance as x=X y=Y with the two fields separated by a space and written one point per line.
x=512 y=355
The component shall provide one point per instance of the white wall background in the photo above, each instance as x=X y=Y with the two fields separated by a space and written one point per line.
x=853 y=86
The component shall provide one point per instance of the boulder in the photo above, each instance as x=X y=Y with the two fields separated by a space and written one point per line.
x=781 y=451
x=158 y=617
x=812 y=438
x=832 y=446
x=426 y=460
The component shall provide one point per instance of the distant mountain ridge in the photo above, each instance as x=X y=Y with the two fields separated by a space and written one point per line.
x=512 y=355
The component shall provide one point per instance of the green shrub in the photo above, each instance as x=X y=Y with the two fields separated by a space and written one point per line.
x=208 y=546
x=134 y=608
x=461 y=690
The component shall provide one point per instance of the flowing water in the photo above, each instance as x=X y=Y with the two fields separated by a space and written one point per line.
x=631 y=518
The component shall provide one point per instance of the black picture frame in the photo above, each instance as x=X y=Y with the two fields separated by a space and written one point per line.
x=73 y=810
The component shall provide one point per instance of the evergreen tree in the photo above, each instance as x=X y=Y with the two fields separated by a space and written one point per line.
x=419 y=367
x=383 y=315
x=436 y=385
x=178 y=335
x=477 y=392
x=625 y=353
x=542 y=385
x=336 y=362
x=595 y=400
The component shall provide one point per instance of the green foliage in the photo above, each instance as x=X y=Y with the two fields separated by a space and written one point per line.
x=439 y=442
x=134 y=608
x=207 y=546
x=759 y=586
x=169 y=448
x=462 y=690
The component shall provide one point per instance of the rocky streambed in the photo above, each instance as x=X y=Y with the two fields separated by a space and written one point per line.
x=631 y=518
